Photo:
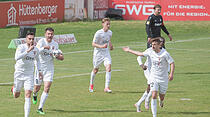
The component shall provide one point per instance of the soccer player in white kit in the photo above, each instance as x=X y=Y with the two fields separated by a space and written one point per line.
x=102 y=44
x=46 y=47
x=160 y=59
x=26 y=56
x=147 y=67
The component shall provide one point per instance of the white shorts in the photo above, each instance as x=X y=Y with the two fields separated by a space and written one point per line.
x=97 y=60
x=21 y=80
x=47 y=76
x=157 y=85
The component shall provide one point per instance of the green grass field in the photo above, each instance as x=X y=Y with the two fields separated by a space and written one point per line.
x=69 y=96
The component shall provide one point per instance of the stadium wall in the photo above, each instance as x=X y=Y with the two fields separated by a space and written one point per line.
x=20 y=13
x=172 y=10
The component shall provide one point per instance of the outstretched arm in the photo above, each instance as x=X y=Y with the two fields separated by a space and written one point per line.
x=137 y=53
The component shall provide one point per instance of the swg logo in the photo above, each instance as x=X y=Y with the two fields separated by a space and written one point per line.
x=11 y=13
x=131 y=9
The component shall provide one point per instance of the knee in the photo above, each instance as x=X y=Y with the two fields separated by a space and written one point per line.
x=37 y=88
x=28 y=95
x=95 y=71
x=154 y=95
x=47 y=89
x=16 y=95
x=108 y=68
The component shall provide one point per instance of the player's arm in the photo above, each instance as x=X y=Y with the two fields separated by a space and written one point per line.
x=110 y=45
x=38 y=65
x=137 y=53
x=148 y=28
x=166 y=31
x=20 y=53
x=60 y=55
x=171 y=75
x=99 y=46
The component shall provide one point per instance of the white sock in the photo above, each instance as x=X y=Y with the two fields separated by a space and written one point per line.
x=148 y=96
x=43 y=99
x=108 y=78
x=154 y=107
x=27 y=106
x=142 y=98
x=92 y=77
x=139 y=60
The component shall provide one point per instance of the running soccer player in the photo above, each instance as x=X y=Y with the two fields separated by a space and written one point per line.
x=26 y=56
x=46 y=47
x=102 y=44
x=147 y=67
x=160 y=59
x=154 y=24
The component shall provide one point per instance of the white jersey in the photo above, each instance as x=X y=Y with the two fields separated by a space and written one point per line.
x=45 y=55
x=102 y=38
x=25 y=62
x=159 y=63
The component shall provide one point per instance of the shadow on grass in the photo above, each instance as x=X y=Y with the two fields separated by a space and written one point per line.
x=89 y=111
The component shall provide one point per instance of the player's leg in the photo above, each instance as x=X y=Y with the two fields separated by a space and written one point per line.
x=48 y=79
x=28 y=86
x=147 y=99
x=163 y=90
x=154 y=88
x=161 y=98
x=37 y=86
x=107 y=64
x=138 y=104
x=92 y=78
x=154 y=103
x=47 y=85
x=108 y=79
x=97 y=60
x=27 y=104
x=18 y=84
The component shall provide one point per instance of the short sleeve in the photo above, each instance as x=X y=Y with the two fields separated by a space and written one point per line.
x=169 y=59
x=147 y=52
x=96 y=37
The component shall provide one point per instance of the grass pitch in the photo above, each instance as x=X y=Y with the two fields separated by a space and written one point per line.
x=187 y=96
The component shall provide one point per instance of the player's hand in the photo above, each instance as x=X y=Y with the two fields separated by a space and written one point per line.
x=149 y=40
x=40 y=75
x=143 y=67
x=47 y=47
x=170 y=37
x=104 y=46
x=30 y=48
x=126 y=49
x=171 y=77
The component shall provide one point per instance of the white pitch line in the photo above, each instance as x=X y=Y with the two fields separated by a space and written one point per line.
x=188 y=40
x=83 y=74
x=68 y=76
x=77 y=51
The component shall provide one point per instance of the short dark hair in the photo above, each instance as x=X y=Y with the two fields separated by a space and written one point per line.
x=157 y=6
x=49 y=29
x=30 y=33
